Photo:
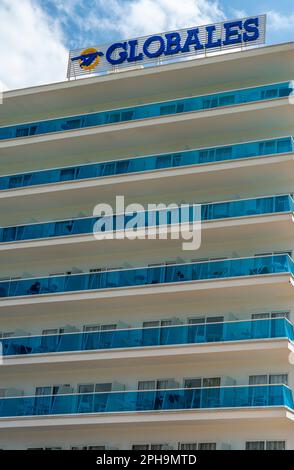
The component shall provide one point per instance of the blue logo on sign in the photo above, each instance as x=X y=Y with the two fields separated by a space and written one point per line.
x=89 y=58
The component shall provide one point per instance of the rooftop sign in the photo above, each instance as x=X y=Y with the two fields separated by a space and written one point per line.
x=164 y=47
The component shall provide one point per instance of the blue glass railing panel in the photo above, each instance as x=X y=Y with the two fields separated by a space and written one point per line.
x=223 y=269
x=247 y=207
x=87 y=225
x=151 y=110
x=221 y=210
x=146 y=337
x=148 y=163
x=149 y=400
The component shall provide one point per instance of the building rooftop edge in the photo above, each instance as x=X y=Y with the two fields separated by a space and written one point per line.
x=148 y=70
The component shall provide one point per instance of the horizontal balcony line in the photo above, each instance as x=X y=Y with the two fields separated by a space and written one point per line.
x=164 y=217
x=173 y=354
x=166 y=416
x=138 y=112
x=149 y=276
x=210 y=398
x=172 y=335
x=145 y=164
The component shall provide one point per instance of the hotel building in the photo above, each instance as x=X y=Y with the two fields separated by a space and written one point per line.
x=139 y=344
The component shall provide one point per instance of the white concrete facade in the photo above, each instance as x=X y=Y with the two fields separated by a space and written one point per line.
x=232 y=363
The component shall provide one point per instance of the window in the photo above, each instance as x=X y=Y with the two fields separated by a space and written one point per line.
x=268 y=379
x=199 y=320
x=212 y=382
x=275 y=445
x=106 y=387
x=164 y=384
x=149 y=446
x=150 y=324
x=256 y=316
x=51 y=331
x=255 y=445
x=108 y=327
x=43 y=390
x=278 y=379
x=7 y=334
x=86 y=388
x=62 y=389
x=156 y=384
x=280 y=315
x=207 y=446
x=265 y=445
x=259 y=316
x=196 y=321
x=187 y=446
x=90 y=388
x=88 y=328
x=257 y=379
x=192 y=383
x=146 y=385
x=283 y=253
x=202 y=382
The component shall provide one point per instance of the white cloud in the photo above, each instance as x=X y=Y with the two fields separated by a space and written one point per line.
x=126 y=18
x=31 y=48
x=277 y=21
x=140 y=17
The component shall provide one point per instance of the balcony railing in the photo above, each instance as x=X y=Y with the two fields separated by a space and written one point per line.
x=242 y=330
x=258 y=396
x=86 y=225
x=150 y=110
x=148 y=163
x=165 y=274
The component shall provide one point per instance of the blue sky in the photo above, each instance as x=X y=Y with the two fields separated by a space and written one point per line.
x=35 y=35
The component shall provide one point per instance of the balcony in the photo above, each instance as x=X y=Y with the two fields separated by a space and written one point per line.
x=210 y=398
x=86 y=226
x=151 y=110
x=148 y=163
x=175 y=335
x=258 y=266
